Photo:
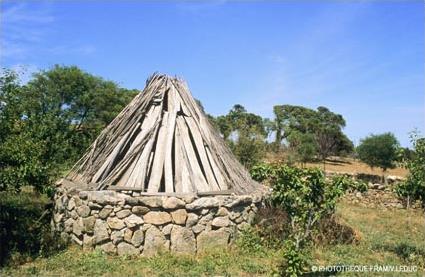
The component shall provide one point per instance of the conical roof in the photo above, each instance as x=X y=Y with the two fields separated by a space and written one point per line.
x=162 y=142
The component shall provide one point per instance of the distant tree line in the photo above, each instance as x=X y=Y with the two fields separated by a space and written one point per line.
x=302 y=133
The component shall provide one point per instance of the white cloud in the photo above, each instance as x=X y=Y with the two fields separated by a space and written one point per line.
x=21 y=27
x=25 y=30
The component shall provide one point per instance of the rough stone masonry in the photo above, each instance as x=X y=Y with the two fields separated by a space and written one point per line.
x=130 y=224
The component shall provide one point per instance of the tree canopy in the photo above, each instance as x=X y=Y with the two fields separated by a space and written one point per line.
x=49 y=122
x=320 y=130
x=379 y=150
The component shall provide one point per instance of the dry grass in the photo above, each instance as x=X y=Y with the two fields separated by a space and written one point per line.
x=345 y=165
x=388 y=237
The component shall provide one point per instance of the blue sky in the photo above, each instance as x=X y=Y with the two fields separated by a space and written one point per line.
x=363 y=59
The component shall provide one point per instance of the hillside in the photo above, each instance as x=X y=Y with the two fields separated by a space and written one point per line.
x=347 y=165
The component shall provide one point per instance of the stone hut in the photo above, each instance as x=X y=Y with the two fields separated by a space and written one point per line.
x=158 y=178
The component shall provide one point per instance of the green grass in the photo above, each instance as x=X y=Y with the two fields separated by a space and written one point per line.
x=388 y=237
x=75 y=262
x=395 y=237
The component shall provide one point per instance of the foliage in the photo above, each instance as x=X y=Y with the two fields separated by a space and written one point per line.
x=263 y=171
x=414 y=186
x=250 y=241
x=311 y=132
x=379 y=150
x=46 y=124
x=303 y=145
x=244 y=132
x=294 y=260
x=25 y=227
x=307 y=198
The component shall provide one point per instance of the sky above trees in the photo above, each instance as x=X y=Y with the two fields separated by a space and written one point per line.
x=364 y=60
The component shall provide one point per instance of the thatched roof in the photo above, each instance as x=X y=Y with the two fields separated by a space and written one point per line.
x=162 y=142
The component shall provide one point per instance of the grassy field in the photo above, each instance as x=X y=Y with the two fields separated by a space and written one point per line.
x=387 y=238
x=355 y=166
x=346 y=165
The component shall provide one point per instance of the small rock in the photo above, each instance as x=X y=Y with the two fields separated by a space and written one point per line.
x=182 y=240
x=83 y=194
x=167 y=229
x=203 y=203
x=204 y=211
x=192 y=219
x=157 y=218
x=221 y=221
x=88 y=224
x=115 y=223
x=140 y=210
x=198 y=228
x=131 y=201
x=173 y=203
x=68 y=225
x=234 y=215
x=179 y=216
x=94 y=206
x=241 y=200
x=133 y=220
x=117 y=236
x=151 y=201
x=125 y=248
x=123 y=213
x=128 y=235
x=78 y=227
x=83 y=211
x=137 y=238
x=104 y=213
x=100 y=231
x=212 y=240
x=76 y=239
x=188 y=198
x=71 y=204
x=58 y=217
x=222 y=212
x=155 y=241
x=108 y=248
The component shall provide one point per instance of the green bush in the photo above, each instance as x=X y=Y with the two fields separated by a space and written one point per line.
x=250 y=241
x=413 y=188
x=25 y=227
x=307 y=198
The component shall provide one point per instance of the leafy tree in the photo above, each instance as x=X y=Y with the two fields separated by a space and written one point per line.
x=244 y=132
x=303 y=145
x=324 y=126
x=379 y=151
x=49 y=122
x=307 y=198
x=413 y=188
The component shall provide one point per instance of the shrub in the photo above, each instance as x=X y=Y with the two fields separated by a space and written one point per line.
x=306 y=198
x=25 y=227
x=262 y=171
x=414 y=186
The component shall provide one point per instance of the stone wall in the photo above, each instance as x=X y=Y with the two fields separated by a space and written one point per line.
x=130 y=224
x=379 y=196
